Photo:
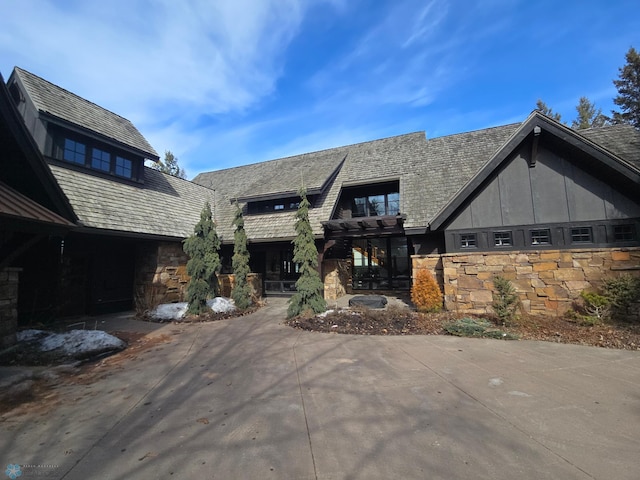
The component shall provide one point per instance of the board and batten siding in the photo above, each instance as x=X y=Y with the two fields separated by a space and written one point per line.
x=555 y=190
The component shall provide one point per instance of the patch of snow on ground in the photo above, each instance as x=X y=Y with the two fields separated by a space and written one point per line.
x=75 y=342
x=324 y=314
x=169 y=311
x=221 y=305
x=30 y=335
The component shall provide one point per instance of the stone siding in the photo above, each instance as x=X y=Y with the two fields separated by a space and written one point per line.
x=227 y=282
x=161 y=273
x=547 y=281
x=336 y=278
x=9 y=279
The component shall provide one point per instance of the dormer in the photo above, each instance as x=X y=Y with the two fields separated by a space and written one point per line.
x=74 y=133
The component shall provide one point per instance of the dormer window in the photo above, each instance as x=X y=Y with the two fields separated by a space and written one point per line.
x=92 y=155
x=100 y=160
x=123 y=167
x=277 y=205
x=376 y=205
x=74 y=152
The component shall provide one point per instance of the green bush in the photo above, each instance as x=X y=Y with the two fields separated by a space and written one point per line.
x=598 y=307
x=473 y=327
x=621 y=292
x=505 y=300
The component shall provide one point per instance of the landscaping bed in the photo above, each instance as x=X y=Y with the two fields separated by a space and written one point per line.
x=403 y=321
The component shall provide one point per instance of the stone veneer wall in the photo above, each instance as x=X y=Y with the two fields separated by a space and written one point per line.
x=161 y=275
x=547 y=281
x=9 y=279
x=161 y=272
x=335 y=278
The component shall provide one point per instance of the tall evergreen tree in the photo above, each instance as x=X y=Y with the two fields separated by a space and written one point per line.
x=588 y=116
x=628 y=85
x=203 y=248
x=241 y=291
x=309 y=287
x=544 y=109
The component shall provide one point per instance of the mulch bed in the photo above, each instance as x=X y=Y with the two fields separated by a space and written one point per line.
x=397 y=321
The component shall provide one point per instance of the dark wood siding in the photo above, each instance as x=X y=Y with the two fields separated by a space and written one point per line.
x=556 y=190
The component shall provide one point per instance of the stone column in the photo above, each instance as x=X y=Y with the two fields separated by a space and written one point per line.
x=9 y=280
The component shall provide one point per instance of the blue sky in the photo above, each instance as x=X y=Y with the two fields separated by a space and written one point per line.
x=222 y=83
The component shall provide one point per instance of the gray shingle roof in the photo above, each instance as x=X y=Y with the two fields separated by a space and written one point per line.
x=621 y=140
x=58 y=102
x=164 y=205
x=430 y=173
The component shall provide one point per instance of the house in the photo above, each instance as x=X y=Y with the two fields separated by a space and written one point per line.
x=553 y=209
x=382 y=209
x=128 y=218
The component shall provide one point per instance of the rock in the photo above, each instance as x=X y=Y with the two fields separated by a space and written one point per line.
x=370 y=301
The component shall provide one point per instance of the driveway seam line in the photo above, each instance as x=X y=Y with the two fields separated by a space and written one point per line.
x=133 y=407
x=304 y=410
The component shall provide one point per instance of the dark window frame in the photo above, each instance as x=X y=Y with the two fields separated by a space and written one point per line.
x=62 y=139
x=502 y=235
x=581 y=235
x=537 y=235
x=468 y=240
x=362 y=206
x=624 y=233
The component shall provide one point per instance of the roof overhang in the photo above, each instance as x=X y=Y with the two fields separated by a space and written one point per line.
x=537 y=126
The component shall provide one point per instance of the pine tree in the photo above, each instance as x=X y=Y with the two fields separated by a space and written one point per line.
x=169 y=165
x=203 y=248
x=628 y=86
x=542 y=108
x=241 y=292
x=309 y=287
x=588 y=116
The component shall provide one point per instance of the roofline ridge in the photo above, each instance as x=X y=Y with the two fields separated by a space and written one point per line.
x=73 y=94
x=340 y=147
x=514 y=124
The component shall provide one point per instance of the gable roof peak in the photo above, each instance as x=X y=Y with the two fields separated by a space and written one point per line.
x=61 y=104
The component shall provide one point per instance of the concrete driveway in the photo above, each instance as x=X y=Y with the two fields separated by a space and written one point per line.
x=251 y=398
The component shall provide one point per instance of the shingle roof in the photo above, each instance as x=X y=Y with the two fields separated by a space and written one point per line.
x=164 y=206
x=430 y=174
x=621 y=140
x=58 y=102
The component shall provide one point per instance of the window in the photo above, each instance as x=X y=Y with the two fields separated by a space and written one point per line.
x=581 y=235
x=376 y=205
x=468 y=240
x=279 y=206
x=624 y=233
x=502 y=239
x=123 y=167
x=100 y=160
x=74 y=152
x=540 y=237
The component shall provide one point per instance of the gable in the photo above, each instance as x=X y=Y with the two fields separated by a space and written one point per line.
x=557 y=189
x=539 y=134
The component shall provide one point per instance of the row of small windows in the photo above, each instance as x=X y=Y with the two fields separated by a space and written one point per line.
x=279 y=205
x=542 y=237
x=76 y=152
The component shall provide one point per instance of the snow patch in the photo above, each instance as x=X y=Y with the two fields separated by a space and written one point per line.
x=176 y=311
x=169 y=311
x=221 y=305
x=74 y=343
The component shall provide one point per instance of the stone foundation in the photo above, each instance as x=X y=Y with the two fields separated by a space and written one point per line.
x=227 y=282
x=547 y=281
x=9 y=279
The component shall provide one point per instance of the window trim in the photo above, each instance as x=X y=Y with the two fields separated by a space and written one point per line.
x=536 y=232
x=496 y=237
x=584 y=231
x=633 y=236
x=465 y=242
x=367 y=208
